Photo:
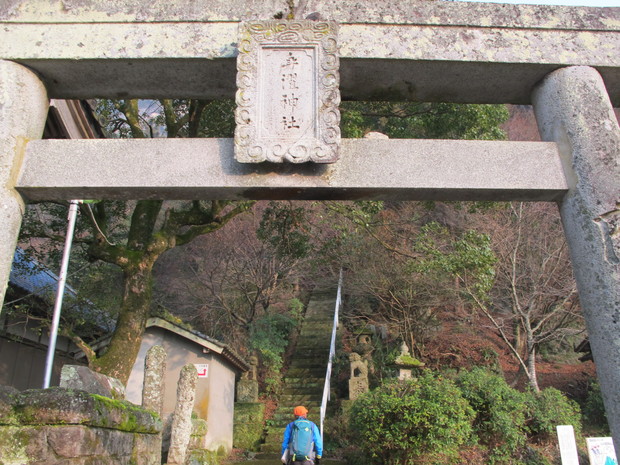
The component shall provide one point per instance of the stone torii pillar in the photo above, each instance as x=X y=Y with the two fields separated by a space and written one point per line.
x=573 y=109
x=23 y=109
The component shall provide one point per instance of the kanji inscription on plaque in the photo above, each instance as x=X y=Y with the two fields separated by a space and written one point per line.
x=287 y=97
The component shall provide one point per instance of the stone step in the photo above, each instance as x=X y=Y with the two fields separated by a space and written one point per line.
x=299 y=375
x=302 y=389
x=300 y=372
x=300 y=399
x=324 y=300
x=289 y=401
x=309 y=364
x=287 y=408
x=309 y=350
x=309 y=369
x=299 y=393
x=303 y=386
x=275 y=430
x=326 y=306
x=314 y=335
x=274 y=445
x=320 y=314
x=315 y=354
x=312 y=343
x=299 y=388
x=304 y=380
x=273 y=438
x=318 y=376
x=325 y=326
x=304 y=383
x=313 y=339
x=318 y=357
x=283 y=418
x=322 y=329
x=287 y=416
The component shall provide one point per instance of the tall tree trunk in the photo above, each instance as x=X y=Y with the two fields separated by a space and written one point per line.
x=519 y=340
x=124 y=346
x=531 y=365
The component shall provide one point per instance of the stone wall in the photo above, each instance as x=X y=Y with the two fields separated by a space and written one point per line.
x=73 y=427
x=248 y=425
x=73 y=445
x=197 y=454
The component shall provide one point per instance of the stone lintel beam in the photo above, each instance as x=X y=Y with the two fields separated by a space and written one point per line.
x=396 y=169
x=425 y=51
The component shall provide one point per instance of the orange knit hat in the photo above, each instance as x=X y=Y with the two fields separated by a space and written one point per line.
x=300 y=411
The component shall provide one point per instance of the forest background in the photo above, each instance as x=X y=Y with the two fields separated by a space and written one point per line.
x=462 y=284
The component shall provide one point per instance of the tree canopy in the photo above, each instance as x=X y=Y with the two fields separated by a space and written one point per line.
x=406 y=262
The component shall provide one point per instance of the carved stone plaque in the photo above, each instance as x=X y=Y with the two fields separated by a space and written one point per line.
x=287 y=96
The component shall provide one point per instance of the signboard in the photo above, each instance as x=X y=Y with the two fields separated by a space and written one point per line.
x=601 y=451
x=202 y=369
x=568 y=446
x=288 y=96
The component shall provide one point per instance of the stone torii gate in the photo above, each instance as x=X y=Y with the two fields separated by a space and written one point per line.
x=564 y=61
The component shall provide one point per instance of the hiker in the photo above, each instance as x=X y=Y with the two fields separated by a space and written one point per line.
x=302 y=444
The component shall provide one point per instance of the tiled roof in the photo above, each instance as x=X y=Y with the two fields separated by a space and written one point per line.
x=203 y=340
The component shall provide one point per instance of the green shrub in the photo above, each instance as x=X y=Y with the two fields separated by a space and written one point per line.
x=501 y=411
x=269 y=336
x=296 y=309
x=550 y=408
x=594 y=410
x=336 y=431
x=532 y=456
x=403 y=422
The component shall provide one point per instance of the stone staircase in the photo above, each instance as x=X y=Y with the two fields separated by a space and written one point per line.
x=304 y=380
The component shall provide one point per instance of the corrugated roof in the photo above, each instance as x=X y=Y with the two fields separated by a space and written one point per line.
x=31 y=276
x=36 y=279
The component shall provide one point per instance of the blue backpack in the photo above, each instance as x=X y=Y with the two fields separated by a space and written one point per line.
x=301 y=444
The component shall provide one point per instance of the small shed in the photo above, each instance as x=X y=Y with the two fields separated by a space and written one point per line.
x=26 y=312
x=23 y=342
x=218 y=368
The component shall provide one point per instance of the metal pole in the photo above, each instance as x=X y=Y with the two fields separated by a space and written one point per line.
x=332 y=353
x=62 y=279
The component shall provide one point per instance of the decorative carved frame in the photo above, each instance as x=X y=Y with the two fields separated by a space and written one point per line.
x=254 y=141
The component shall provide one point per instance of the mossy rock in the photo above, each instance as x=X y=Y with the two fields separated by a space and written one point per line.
x=14 y=445
x=199 y=427
x=248 y=425
x=249 y=412
x=407 y=361
x=203 y=457
x=8 y=397
x=59 y=406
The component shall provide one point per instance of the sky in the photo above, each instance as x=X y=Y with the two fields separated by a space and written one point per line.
x=557 y=2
